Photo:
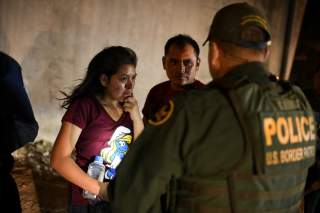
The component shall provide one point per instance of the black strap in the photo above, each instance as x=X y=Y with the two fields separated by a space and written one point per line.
x=249 y=145
x=247 y=135
x=171 y=199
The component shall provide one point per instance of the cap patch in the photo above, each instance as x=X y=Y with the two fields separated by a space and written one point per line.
x=253 y=18
x=162 y=115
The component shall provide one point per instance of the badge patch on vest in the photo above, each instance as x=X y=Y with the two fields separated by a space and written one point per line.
x=289 y=139
x=162 y=115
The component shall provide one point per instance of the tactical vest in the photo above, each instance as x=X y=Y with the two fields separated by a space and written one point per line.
x=279 y=141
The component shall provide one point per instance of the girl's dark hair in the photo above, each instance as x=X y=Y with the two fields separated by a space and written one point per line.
x=108 y=62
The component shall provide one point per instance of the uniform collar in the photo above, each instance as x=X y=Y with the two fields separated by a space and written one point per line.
x=249 y=72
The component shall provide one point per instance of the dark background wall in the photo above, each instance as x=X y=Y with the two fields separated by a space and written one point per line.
x=307 y=58
x=55 y=40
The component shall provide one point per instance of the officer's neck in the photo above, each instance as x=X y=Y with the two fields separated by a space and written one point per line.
x=229 y=63
x=226 y=60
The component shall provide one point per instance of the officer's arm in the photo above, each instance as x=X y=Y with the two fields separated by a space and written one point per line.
x=148 y=166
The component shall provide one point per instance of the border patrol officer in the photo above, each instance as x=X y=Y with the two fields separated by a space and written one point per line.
x=243 y=144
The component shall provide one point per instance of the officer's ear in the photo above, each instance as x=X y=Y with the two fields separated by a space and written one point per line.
x=215 y=53
x=266 y=53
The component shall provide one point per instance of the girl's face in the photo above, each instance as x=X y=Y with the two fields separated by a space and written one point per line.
x=121 y=84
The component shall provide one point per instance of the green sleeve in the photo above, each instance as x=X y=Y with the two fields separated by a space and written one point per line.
x=148 y=166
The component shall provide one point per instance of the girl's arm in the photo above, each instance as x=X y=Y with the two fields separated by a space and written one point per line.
x=62 y=162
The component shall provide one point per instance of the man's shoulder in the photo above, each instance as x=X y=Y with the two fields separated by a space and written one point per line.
x=157 y=96
x=8 y=64
x=160 y=86
x=4 y=58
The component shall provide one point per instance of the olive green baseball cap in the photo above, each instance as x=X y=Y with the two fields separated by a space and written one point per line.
x=230 y=24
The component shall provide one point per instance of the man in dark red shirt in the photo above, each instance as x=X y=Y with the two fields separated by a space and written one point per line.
x=181 y=62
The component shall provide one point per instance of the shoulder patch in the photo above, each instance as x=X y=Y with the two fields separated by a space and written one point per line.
x=162 y=115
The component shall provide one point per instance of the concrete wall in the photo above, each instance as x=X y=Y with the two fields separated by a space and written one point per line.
x=54 y=41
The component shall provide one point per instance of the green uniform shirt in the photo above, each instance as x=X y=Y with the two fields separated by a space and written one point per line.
x=197 y=135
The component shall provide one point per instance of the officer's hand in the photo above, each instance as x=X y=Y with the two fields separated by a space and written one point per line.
x=103 y=192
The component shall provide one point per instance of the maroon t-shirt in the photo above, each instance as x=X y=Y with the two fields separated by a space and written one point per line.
x=100 y=136
x=160 y=94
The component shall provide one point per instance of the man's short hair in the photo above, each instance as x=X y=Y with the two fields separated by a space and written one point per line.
x=181 y=41
x=240 y=24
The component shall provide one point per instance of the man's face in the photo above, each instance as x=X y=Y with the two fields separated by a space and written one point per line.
x=181 y=65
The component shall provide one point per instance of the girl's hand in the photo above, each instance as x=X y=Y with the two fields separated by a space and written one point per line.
x=131 y=105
